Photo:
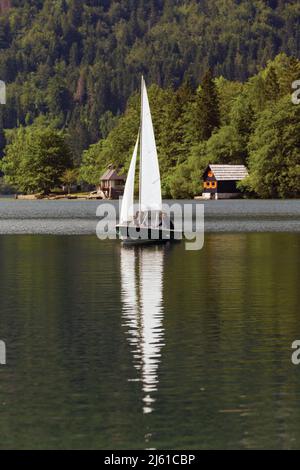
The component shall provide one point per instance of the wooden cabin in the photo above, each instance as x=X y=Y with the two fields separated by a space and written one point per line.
x=112 y=184
x=220 y=181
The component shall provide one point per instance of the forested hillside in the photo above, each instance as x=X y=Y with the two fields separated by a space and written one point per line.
x=255 y=123
x=77 y=62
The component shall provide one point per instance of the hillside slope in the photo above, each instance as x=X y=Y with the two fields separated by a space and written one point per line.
x=79 y=61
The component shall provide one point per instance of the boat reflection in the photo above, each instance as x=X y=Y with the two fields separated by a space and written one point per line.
x=142 y=299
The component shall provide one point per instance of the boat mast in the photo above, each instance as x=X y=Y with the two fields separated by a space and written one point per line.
x=141 y=146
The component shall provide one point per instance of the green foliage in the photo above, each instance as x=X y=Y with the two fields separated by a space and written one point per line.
x=228 y=91
x=91 y=168
x=255 y=124
x=73 y=65
x=226 y=146
x=117 y=148
x=185 y=180
x=5 y=188
x=206 y=110
x=274 y=159
x=252 y=118
x=75 y=61
x=271 y=85
x=69 y=177
x=35 y=159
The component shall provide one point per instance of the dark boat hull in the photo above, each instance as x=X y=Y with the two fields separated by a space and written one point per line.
x=136 y=235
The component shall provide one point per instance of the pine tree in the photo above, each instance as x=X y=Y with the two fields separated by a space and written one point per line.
x=290 y=73
x=173 y=134
x=272 y=87
x=207 y=114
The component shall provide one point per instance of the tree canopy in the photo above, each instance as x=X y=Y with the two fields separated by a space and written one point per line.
x=36 y=159
x=217 y=70
x=220 y=122
x=79 y=61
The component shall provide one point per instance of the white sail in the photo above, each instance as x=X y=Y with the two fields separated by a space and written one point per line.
x=127 y=211
x=150 y=184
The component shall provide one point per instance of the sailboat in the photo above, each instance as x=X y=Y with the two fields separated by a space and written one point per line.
x=147 y=223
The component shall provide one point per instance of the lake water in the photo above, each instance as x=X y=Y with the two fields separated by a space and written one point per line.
x=154 y=347
x=79 y=217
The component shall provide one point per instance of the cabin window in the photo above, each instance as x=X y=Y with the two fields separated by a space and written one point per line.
x=210 y=185
x=210 y=174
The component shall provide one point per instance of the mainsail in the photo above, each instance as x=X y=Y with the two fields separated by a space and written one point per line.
x=150 y=184
x=127 y=211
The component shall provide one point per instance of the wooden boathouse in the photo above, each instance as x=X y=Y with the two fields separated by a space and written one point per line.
x=112 y=184
x=220 y=181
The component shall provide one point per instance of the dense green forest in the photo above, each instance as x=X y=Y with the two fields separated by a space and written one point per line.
x=79 y=61
x=222 y=121
x=253 y=123
x=217 y=91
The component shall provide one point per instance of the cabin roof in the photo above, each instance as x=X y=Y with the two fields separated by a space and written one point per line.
x=228 y=172
x=112 y=175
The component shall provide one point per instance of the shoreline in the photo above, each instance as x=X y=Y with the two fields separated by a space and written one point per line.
x=58 y=197
x=81 y=197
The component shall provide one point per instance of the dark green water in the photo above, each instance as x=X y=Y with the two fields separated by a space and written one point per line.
x=111 y=348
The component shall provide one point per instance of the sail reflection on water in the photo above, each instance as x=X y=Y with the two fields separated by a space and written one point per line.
x=142 y=299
